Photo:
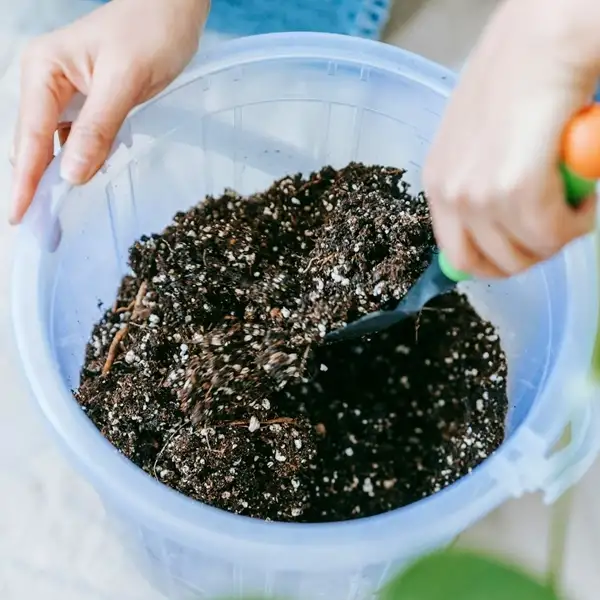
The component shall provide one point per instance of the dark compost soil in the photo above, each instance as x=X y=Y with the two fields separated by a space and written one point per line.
x=208 y=372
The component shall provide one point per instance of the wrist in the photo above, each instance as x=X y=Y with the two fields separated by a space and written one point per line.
x=197 y=9
x=573 y=26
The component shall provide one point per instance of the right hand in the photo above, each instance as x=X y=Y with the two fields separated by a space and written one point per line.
x=119 y=56
x=492 y=179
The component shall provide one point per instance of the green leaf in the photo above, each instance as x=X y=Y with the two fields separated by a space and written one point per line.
x=459 y=575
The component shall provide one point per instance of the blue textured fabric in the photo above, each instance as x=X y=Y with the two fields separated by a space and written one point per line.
x=363 y=18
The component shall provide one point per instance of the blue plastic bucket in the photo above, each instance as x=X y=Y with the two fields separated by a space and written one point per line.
x=250 y=111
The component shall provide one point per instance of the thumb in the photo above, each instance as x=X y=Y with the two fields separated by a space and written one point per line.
x=109 y=102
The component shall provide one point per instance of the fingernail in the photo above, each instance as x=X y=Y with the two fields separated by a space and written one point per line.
x=74 y=168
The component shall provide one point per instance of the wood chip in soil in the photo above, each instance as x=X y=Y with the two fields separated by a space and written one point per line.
x=209 y=371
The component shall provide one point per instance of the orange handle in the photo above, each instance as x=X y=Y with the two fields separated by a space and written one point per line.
x=580 y=144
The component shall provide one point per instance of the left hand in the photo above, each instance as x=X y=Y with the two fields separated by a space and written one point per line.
x=120 y=55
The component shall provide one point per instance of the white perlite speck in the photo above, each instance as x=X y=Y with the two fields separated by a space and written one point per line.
x=254 y=424
x=279 y=457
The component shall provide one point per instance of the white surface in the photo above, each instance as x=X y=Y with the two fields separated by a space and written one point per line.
x=54 y=543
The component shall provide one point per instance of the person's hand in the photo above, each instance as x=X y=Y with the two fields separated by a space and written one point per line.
x=119 y=56
x=495 y=194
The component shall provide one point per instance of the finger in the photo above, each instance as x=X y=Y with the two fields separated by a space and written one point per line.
x=44 y=94
x=551 y=222
x=95 y=129
x=586 y=215
x=501 y=249
x=62 y=132
x=565 y=221
x=457 y=243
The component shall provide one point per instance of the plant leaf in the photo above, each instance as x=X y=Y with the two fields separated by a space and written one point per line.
x=460 y=575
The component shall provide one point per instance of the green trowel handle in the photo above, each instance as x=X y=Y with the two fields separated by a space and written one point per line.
x=577 y=189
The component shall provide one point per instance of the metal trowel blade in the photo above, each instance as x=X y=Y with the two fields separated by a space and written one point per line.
x=432 y=283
